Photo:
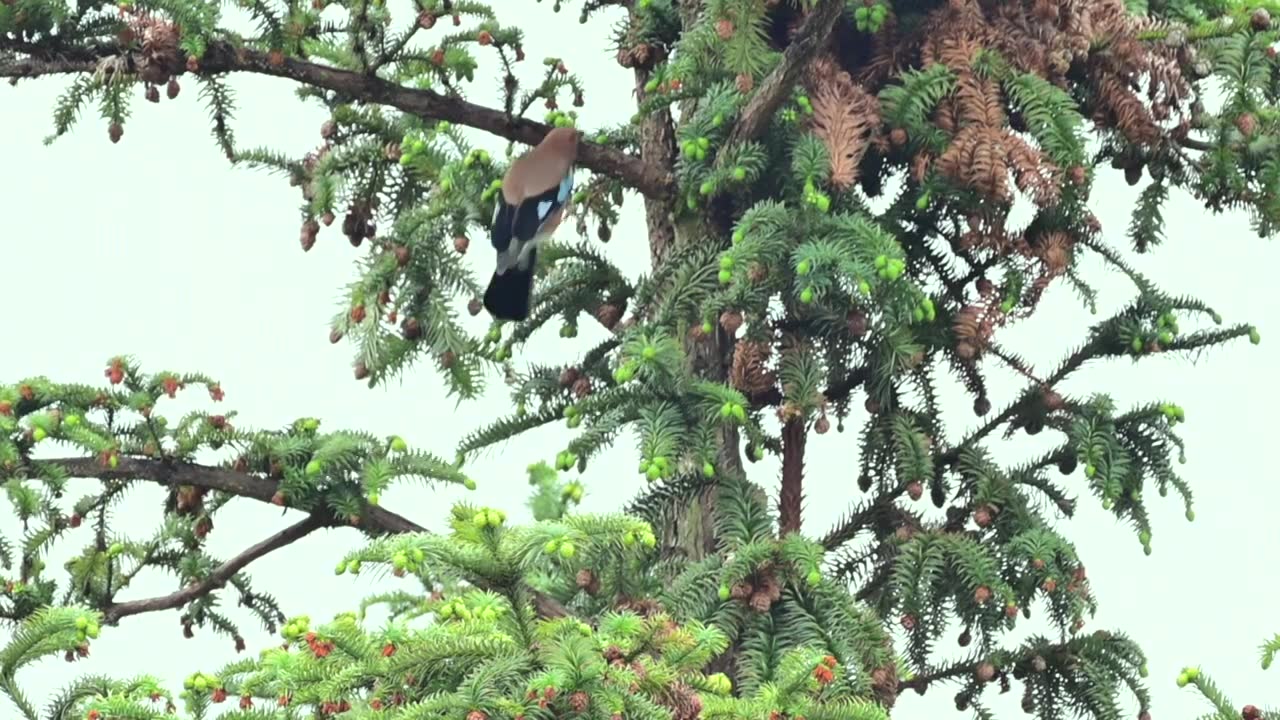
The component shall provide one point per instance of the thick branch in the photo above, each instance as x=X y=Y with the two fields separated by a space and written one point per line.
x=373 y=519
x=219 y=577
x=650 y=180
x=812 y=36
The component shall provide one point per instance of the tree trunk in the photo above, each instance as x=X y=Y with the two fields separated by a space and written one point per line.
x=791 y=497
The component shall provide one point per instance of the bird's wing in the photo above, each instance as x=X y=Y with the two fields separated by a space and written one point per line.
x=502 y=234
x=502 y=228
x=534 y=211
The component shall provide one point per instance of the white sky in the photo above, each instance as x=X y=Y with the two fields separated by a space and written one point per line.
x=155 y=247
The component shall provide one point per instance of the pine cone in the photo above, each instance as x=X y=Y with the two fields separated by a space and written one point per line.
x=984 y=515
x=748 y=372
x=608 y=315
x=582 y=388
x=856 y=322
x=884 y=685
x=770 y=586
x=731 y=320
x=981 y=406
x=682 y=701
x=1247 y=124
x=159 y=50
x=588 y=582
x=644 y=607
x=822 y=425
x=579 y=701
x=761 y=602
x=569 y=376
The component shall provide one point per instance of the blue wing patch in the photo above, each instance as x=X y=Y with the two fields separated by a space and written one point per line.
x=535 y=210
x=566 y=188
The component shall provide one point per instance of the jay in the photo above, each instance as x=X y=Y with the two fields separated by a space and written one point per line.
x=535 y=196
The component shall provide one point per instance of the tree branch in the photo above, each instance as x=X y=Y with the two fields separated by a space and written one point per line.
x=373 y=519
x=650 y=180
x=812 y=36
x=219 y=577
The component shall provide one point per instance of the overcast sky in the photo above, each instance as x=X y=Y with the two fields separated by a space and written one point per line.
x=156 y=247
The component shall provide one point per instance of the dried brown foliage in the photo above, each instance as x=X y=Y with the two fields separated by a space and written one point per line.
x=750 y=372
x=1134 y=85
x=845 y=116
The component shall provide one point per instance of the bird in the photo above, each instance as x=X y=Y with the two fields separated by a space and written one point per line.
x=535 y=196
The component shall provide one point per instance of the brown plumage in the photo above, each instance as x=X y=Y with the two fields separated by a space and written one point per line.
x=543 y=167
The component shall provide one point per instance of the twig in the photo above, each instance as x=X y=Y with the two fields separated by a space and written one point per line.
x=650 y=180
x=219 y=577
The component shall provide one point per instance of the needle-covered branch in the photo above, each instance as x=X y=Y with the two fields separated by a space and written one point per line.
x=812 y=37
x=372 y=518
x=334 y=478
x=219 y=577
x=221 y=58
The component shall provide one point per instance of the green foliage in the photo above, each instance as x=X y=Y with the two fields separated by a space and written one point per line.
x=119 y=434
x=1224 y=709
x=456 y=649
x=776 y=290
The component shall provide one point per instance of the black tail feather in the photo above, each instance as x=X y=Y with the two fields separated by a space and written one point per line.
x=510 y=294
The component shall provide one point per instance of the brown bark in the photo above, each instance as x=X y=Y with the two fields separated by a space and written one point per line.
x=657 y=149
x=219 y=577
x=813 y=34
x=791 y=496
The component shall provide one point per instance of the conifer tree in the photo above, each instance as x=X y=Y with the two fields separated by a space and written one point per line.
x=827 y=188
